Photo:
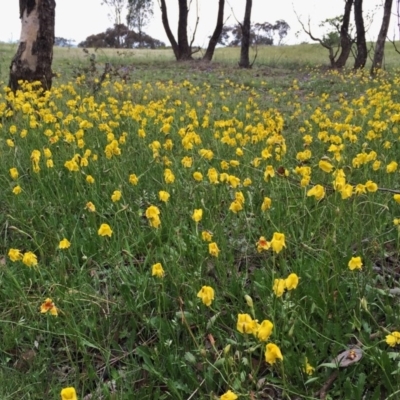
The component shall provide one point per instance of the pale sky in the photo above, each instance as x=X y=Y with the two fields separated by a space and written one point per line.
x=77 y=19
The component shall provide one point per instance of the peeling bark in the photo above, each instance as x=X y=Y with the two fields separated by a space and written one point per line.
x=34 y=56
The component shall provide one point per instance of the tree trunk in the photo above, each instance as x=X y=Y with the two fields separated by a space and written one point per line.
x=362 y=53
x=167 y=29
x=345 y=40
x=34 y=56
x=217 y=32
x=181 y=48
x=183 y=42
x=380 y=43
x=245 y=47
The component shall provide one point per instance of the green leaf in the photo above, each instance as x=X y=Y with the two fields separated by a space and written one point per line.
x=190 y=358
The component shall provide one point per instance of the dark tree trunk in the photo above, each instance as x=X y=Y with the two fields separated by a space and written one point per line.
x=345 y=40
x=167 y=29
x=217 y=32
x=380 y=43
x=362 y=53
x=182 y=49
x=34 y=56
x=245 y=47
x=183 y=42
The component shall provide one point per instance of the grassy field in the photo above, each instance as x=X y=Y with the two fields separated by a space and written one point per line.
x=196 y=231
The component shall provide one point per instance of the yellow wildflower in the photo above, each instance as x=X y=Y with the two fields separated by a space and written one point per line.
x=72 y=166
x=68 y=393
x=278 y=242
x=279 y=287
x=90 y=206
x=14 y=255
x=393 y=339
x=229 y=395
x=155 y=222
x=246 y=324
x=308 y=369
x=14 y=173
x=206 y=294
x=266 y=205
x=169 y=177
x=264 y=330
x=198 y=176
x=326 y=166
x=116 y=196
x=247 y=182
x=391 y=167
x=318 y=191
x=17 y=190
x=272 y=353
x=48 y=306
x=213 y=176
x=355 y=263
x=347 y=191
x=133 y=179
x=263 y=244
x=187 y=162
x=213 y=249
x=206 y=236
x=163 y=196
x=105 y=230
x=157 y=270
x=269 y=173
x=152 y=212
x=291 y=281
x=29 y=259
x=64 y=244
x=197 y=215
x=371 y=186
x=236 y=206
x=360 y=189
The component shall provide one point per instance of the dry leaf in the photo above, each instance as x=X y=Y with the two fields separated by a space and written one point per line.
x=348 y=357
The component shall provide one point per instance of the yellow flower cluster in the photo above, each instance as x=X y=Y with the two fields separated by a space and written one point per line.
x=28 y=258
x=280 y=285
x=277 y=243
x=153 y=215
x=247 y=325
x=393 y=339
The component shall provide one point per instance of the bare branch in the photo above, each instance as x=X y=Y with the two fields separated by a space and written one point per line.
x=197 y=23
x=309 y=33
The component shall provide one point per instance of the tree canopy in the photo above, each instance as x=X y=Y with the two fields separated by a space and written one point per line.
x=120 y=36
x=260 y=34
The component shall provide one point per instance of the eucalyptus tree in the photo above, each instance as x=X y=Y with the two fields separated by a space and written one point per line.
x=361 y=43
x=380 y=43
x=244 y=61
x=34 y=56
x=181 y=46
x=139 y=15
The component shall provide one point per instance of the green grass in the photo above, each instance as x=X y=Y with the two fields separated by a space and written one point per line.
x=122 y=333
